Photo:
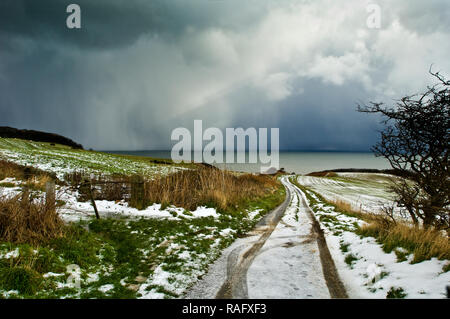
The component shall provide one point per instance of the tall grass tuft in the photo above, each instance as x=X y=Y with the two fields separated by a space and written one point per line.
x=210 y=187
x=423 y=243
x=9 y=169
x=350 y=210
x=24 y=220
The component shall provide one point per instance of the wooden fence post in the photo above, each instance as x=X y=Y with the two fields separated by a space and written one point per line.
x=27 y=173
x=86 y=186
x=137 y=192
x=50 y=198
x=91 y=195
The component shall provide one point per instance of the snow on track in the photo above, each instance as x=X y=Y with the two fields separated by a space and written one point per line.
x=280 y=258
x=288 y=265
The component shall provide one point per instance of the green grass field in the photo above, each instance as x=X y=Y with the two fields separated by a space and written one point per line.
x=62 y=159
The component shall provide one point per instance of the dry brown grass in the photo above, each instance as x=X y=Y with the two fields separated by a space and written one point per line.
x=349 y=209
x=208 y=186
x=345 y=206
x=104 y=187
x=8 y=169
x=41 y=181
x=23 y=220
x=423 y=243
x=26 y=173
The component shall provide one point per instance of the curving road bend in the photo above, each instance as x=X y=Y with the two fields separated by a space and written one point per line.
x=285 y=256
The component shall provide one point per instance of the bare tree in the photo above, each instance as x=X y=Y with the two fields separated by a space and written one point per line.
x=415 y=141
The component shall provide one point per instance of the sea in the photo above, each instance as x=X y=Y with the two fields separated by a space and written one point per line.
x=294 y=161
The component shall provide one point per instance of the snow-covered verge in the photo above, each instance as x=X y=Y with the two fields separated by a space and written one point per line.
x=61 y=160
x=369 y=272
x=152 y=253
x=72 y=210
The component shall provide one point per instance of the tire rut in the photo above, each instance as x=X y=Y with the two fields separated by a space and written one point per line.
x=241 y=258
x=235 y=286
x=332 y=279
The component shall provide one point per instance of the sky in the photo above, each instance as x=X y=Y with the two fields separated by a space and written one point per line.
x=138 y=69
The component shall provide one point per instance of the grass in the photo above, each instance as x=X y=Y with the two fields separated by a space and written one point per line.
x=424 y=244
x=25 y=271
x=322 y=174
x=339 y=206
x=347 y=209
x=344 y=247
x=10 y=185
x=396 y=293
x=409 y=243
x=23 y=279
x=23 y=172
x=119 y=251
x=62 y=159
x=209 y=187
x=402 y=255
x=24 y=220
x=446 y=267
x=36 y=248
x=376 y=187
x=349 y=259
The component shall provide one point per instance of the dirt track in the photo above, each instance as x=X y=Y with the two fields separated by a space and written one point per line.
x=334 y=283
x=235 y=285
x=285 y=256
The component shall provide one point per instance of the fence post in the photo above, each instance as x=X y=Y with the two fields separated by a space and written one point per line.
x=27 y=173
x=91 y=195
x=50 y=195
x=137 y=192
x=86 y=185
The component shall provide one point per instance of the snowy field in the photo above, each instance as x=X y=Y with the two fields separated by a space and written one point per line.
x=61 y=160
x=363 y=191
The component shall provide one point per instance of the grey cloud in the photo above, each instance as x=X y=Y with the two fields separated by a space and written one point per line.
x=139 y=69
x=423 y=16
x=109 y=24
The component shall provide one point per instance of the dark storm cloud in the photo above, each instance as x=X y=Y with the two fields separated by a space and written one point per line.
x=106 y=23
x=138 y=69
x=110 y=24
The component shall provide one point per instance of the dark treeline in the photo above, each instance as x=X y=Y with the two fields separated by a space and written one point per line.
x=395 y=172
x=37 y=136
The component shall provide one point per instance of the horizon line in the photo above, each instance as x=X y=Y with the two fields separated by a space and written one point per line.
x=246 y=151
